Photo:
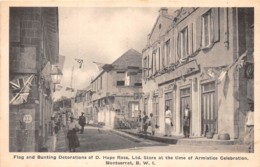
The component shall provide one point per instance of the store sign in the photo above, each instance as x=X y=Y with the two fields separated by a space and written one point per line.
x=27 y=118
x=183 y=70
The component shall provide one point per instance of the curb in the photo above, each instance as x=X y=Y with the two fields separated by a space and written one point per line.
x=125 y=135
x=155 y=138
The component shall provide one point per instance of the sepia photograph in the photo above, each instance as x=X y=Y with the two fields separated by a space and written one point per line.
x=126 y=85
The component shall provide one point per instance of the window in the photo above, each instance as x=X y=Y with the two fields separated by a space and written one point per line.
x=120 y=78
x=168 y=100
x=184 y=42
x=134 y=108
x=167 y=53
x=206 y=29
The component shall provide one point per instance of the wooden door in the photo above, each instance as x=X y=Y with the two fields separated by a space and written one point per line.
x=185 y=100
x=208 y=108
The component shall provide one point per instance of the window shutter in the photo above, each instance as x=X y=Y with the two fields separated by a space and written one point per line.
x=178 y=46
x=197 y=40
x=215 y=18
x=173 y=50
x=190 y=38
x=157 y=59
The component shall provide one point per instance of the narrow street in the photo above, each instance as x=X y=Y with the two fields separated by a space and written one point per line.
x=104 y=140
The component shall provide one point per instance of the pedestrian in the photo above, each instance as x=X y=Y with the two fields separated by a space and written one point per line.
x=186 y=122
x=152 y=123
x=82 y=122
x=168 y=121
x=73 y=128
x=139 y=122
x=145 y=123
x=249 y=137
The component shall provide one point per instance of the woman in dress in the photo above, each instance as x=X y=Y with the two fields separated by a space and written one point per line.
x=73 y=128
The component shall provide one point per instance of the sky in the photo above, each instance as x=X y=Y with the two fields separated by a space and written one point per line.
x=100 y=35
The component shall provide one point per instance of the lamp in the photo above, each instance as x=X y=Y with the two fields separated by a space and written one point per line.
x=56 y=75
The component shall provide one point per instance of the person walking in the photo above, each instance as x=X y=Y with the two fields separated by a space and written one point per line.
x=152 y=124
x=249 y=137
x=186 y=122
x=139 y=122
x=73 y=128
x=168 y=121
x=145 y=123
x=82 y=122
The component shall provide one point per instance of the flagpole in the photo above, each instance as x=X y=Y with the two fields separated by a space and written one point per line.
x=71 y=79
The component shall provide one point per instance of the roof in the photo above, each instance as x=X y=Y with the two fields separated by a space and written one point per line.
x=129 y=58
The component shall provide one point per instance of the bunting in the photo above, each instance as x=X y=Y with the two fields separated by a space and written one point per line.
x=24 y=88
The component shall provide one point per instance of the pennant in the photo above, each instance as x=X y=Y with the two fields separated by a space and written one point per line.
x=105 y=67
x=240 y=61
x=80 y=61
x=69 y=89
x=99 y=65
x=183 y=60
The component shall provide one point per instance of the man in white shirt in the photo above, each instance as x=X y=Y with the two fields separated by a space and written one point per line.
x=168 y=121
x=249 y=137
x=186 y=122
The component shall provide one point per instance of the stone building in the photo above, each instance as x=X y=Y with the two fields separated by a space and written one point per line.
x=203 y=58
x=34 y=51
x=115 y=91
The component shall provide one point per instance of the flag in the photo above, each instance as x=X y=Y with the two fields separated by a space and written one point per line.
x=22 y=95
x=226 y=84
x=221 y=76
x=58 y=87
x=80 y=61
x=216 y=72
x=249 y=70
x=240 y=61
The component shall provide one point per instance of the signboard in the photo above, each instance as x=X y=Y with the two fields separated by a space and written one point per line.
x=183 y=70
x=27 y=118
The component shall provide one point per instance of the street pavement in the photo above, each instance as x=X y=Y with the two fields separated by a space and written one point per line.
x=96 y=139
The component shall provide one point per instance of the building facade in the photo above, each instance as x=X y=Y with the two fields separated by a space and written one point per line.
x=115 y=91
x=192 y=58
x=34 y=49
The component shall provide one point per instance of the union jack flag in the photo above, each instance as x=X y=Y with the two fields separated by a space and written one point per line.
x=80 y=61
